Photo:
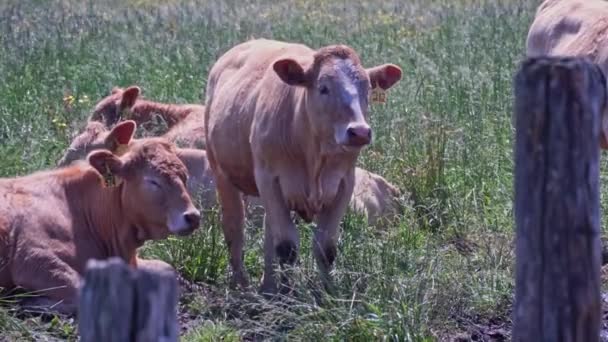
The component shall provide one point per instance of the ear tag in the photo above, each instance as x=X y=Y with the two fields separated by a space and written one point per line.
x=110 y=180
x=378 y=95
x=120 y=149
x=126 y=114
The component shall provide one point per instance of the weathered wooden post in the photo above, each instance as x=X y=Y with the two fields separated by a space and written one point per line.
x=558 y=107
x=118 y=303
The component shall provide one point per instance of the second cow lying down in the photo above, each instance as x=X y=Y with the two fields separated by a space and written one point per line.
x=184 y=121
x=53 y=222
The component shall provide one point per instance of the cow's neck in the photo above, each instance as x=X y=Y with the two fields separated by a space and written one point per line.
x=171 y=113
x=98 y=209
x=324 y=158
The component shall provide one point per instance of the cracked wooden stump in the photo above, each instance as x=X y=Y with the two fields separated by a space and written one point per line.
x=558 y=108
x=118 y=303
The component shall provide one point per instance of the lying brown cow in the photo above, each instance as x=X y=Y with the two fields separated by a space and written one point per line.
x=53 y=222
x=183 y=120
x=96 y=136
x=572 y=28
x=287 y=123
x=373 y=196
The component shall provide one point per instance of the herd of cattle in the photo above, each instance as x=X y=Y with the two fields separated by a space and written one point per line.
x=281 y=128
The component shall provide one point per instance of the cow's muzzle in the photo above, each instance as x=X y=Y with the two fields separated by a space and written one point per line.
x=359 y=135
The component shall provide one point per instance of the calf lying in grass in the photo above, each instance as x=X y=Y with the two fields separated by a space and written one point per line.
x=53 y=222
x=96 y=136
x=373 y=196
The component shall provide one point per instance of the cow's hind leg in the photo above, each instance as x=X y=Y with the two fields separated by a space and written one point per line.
x=233 y=224
x=325 y=240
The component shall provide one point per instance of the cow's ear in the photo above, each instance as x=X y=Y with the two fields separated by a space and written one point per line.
x=384 y=76
x=106 y=163
x=291 y=72
x=120 y=136
x=129 y=96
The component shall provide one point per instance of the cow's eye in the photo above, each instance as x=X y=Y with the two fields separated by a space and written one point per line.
x=154 y=184
x=324 y=90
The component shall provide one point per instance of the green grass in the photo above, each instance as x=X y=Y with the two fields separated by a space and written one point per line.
x=445 y=137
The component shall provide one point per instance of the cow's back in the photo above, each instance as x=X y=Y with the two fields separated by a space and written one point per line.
x=29 y=207
x=240 y=86
x=570 y=28
x=374 y=196
x=190 y=132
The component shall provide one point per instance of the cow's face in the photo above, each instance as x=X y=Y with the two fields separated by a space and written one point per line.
x=337 y=92
x=152 y=181
x=109 y=110
x=96 y=137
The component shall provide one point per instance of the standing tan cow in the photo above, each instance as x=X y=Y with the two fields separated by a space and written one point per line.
x=53 y=222
x=572 y=28
x=287 y=123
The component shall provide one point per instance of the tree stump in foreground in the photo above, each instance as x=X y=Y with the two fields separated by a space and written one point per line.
x=558 y=108
x=118 y=303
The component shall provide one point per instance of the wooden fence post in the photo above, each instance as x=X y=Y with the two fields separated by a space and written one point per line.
x=558 y=107
x=119 y=304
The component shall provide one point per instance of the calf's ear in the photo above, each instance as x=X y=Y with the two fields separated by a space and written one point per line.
x=105 y=162
x=291 y=72
x=129 y=96
x=120 y=136
x=384 y=76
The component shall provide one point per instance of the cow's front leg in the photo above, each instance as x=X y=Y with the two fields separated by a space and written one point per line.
x=233 y=225
x=325 y=240
x=53 y=281
x=281 y=237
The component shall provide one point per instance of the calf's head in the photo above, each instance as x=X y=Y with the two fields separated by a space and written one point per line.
x=109 y=110
x=152 y=183
x=337 y=92
x=95 y=137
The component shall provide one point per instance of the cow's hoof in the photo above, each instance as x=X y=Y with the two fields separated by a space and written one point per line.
x=328 y=284
x=268 y=288
x=240 y=280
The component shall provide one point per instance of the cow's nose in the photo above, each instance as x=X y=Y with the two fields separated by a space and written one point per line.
x=192 y=218
x=359 y=135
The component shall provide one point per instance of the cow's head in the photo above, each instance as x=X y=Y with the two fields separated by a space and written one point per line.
x=152 y=182
x=110 y=109
x=95 y=137
x=337 y=92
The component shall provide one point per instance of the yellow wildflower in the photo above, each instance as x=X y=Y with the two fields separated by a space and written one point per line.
x=69 y=99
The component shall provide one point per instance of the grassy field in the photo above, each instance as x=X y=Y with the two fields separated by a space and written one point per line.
x=444 y=137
